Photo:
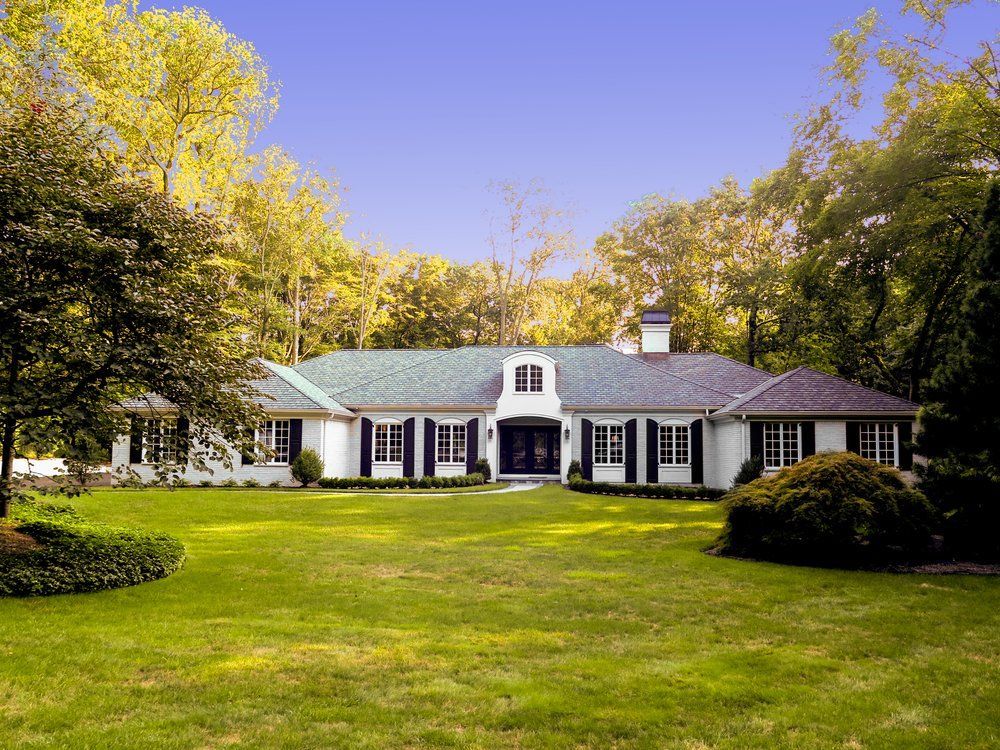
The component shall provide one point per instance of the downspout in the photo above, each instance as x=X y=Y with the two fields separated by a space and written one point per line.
x=743 y=437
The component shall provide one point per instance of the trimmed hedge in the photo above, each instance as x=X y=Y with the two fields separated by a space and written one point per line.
x=830 y=507
x=667 y=491
x=73 y=555
x=400 y=483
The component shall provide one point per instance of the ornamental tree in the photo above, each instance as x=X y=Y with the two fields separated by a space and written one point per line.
x=960 y=432
x=108 y=289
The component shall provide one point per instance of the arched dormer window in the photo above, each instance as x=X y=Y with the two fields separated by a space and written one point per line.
x=528 y=379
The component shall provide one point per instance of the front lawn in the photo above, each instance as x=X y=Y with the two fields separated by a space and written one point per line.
x=539 y=619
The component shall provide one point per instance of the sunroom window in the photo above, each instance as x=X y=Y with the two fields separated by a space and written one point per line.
x=674 y=442
x=528 y=379
x=388 y=443
x=451 y=443
x=878 y=442
x=159 y=441
x=781 y=444
x=609 y=444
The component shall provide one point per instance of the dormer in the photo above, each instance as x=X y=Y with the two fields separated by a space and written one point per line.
x=529 y=373
x=529 y=386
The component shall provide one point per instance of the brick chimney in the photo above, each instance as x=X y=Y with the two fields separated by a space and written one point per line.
x=655 y=327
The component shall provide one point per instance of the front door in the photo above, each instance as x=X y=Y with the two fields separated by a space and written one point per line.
x=529 y=450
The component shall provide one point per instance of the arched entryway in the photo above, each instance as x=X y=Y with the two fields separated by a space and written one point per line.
x=530 y=446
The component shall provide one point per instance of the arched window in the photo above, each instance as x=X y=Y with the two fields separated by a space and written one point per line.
x=387 y=437
x=675 y=443
x=609 y=443
x=528 y=379
x=450 y=442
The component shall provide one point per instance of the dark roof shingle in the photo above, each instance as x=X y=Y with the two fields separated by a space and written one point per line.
x=708 y=369
x=806 y=390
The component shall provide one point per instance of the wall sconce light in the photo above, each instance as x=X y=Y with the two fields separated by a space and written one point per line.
x=489 y=433
x=566 y=433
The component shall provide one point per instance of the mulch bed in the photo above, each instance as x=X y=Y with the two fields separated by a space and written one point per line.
x=14 y=542
x=922 y=567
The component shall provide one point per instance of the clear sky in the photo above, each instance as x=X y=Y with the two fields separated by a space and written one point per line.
x=417 y=106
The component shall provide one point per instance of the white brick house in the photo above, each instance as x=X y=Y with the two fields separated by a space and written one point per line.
x=655 y=416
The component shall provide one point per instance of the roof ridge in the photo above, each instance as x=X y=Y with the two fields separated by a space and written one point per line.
x=762 y=388
x=267 y=363
x=856 y=385
x=670 y=374
x=443 y=353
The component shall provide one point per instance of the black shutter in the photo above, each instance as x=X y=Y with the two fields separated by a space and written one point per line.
x=247 y=458
x=366 y=447
x=757 y=440
x=905 y=447
x=808 y=438
x=631 y=452
x=587 y=449
x=135 y=441
x=854 y=437
x=430 y=446
x=652 y=451
x=697 y=453
x=294 y=439
x=409 y=447
x=183 y=440
x=471 y=445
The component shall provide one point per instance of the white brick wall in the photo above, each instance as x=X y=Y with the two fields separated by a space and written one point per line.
x=831 y=436
x=313 y=435
x=731 y=445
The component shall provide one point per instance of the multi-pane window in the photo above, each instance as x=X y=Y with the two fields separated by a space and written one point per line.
x=451 y=443
x=388 y=443
x=159 y=441
x=781 y=444
x=878 y=442
x=275 y=435
x=674 y=441
x=609 y=444
x=528 y=379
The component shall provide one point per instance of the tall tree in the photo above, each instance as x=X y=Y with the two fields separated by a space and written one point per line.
x=106 y=290
x=525 y=238
x=960 y=432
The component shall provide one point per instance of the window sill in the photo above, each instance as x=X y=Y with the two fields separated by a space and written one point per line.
x=387 y=463
x=610 y=466
x=675 y=466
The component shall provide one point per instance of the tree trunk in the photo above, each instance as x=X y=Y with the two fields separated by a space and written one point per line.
x=752 y=336
x=7 y=465
x=296 y=319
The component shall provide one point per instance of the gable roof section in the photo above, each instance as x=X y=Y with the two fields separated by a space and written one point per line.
x=282 y=390
x=708 y=369
x=585 y=376
x=348 y=368
x=804 y=390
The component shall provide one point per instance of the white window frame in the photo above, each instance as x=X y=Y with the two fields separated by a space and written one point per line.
x=605 y=449
x=880 y=451
x=159 y=441
x=784 y=456
x=392 y=431
x=449 y=443
x=528 y=378
x=276 y=436
x=668 y=446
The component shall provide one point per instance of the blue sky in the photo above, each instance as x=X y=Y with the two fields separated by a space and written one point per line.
x=418 y=106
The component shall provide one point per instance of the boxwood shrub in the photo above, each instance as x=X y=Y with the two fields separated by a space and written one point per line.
x=837 y=508
x=667 y=491
x=71 y=555
x=400 y=483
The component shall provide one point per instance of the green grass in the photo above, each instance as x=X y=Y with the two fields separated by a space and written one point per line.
x=541 y=619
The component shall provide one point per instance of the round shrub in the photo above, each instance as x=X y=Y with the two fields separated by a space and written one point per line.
x=483 y=467
x=48 y=549
x=307 y=467
x=831 y=507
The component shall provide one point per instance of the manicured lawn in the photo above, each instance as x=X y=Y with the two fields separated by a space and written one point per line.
x=542 y=619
